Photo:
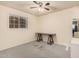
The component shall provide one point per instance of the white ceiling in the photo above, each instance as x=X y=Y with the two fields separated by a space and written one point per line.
x=25 y=6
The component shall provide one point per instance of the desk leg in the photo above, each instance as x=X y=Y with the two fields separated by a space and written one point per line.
x=39 y=37
x=50 y=40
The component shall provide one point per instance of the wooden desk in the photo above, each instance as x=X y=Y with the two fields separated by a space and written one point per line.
x=50 y=37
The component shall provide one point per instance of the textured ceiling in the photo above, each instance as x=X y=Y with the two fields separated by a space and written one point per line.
x=25 y=6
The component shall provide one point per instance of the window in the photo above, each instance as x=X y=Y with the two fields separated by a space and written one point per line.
x=22 y=22
x=17 y=22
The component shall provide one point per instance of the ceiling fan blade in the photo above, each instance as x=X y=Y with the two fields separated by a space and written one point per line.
x=47 y=9
x=47 y=4
x=36 y=2
x=33 y=7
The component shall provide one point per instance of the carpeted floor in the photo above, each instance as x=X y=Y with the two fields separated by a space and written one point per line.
x=36 y=50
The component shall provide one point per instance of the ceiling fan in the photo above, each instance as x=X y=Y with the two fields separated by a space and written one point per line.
x=41 y=5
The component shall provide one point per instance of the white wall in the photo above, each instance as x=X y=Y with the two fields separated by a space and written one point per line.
x=13 y=37
x=59 y=23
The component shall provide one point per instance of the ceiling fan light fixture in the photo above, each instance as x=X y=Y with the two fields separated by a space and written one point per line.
x=40 y=9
